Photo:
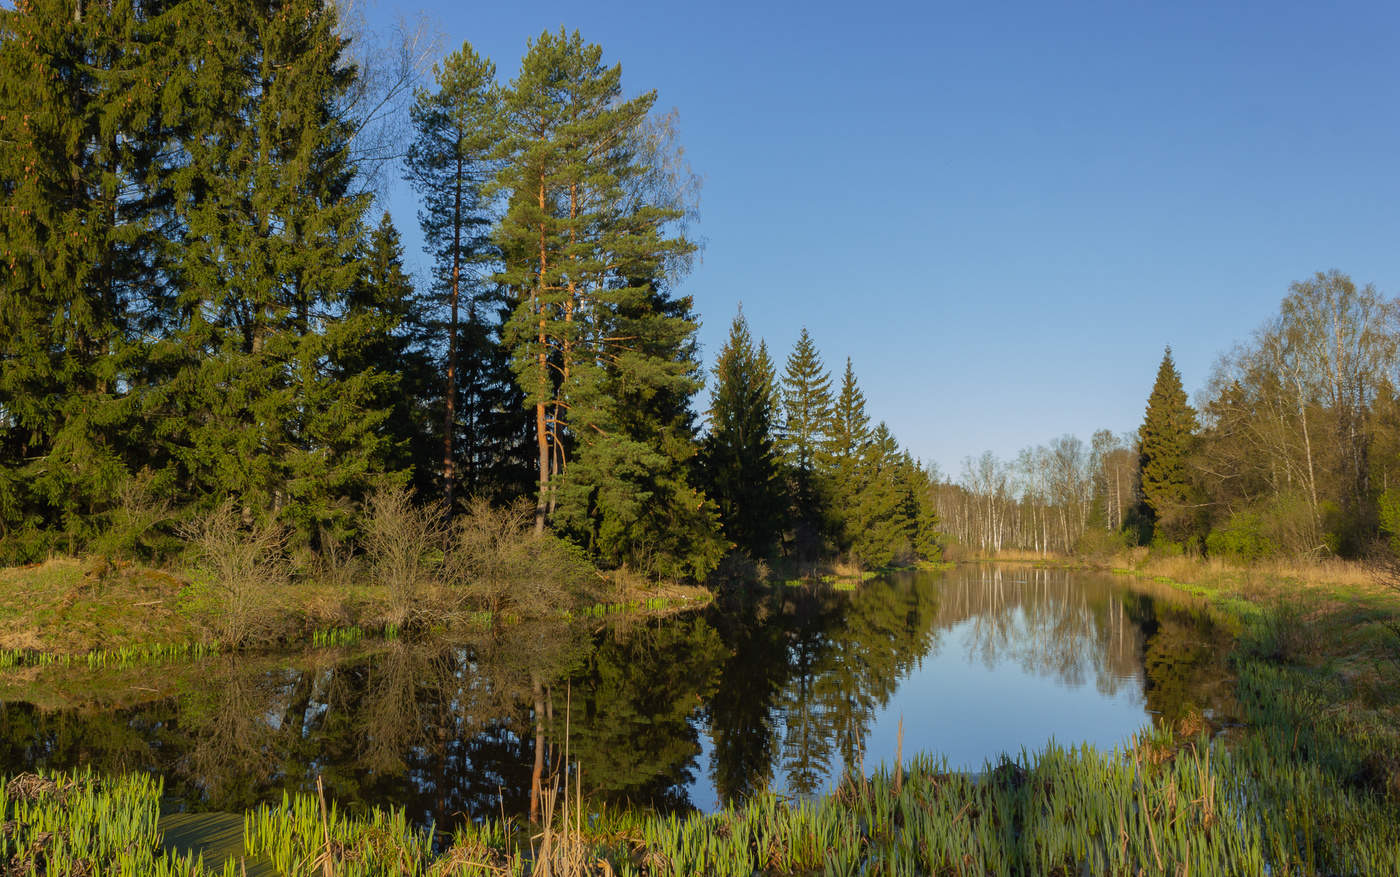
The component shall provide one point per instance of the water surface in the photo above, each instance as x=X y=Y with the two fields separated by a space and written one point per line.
x=788 y=691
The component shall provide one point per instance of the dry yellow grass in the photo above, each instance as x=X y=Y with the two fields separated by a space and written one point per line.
x=68 y=606
x=1264 y=578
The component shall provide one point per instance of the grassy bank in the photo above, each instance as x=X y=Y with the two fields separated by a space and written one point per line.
x=89 y=612
x=1309 y=784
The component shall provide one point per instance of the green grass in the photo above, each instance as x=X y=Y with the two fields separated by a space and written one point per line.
x=1309 y=786
x=1164 y=804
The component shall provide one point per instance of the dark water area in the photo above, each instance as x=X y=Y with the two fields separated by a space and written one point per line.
x=787 y=692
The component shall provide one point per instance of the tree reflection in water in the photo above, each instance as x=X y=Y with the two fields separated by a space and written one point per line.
x=784 y=689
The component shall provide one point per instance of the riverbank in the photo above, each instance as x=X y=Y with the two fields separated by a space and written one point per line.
x=1303 y=780
x=89 y=610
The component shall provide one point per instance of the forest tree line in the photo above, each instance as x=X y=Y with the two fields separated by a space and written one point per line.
x=199 y=305
x=1292 y=450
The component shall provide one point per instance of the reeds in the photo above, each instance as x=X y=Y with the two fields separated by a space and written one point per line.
x=1161 y=805
x=99 y=659
x=1296 y=793
x=335 y=637
x=79 y=824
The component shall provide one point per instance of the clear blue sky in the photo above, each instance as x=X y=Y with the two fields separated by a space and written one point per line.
x=1003 y=212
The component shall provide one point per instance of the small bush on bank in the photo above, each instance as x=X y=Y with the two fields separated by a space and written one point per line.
x=497 y=563
x=404 y=544
x=239 y=571
x=1284 y=633
x=1243 y=539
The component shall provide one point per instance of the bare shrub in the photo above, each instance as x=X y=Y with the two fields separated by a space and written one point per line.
x=240 y=573
x=404 y=544
x=503 y=567
x=336 y=565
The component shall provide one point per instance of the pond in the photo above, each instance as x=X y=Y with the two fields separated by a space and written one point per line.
x=789 y=691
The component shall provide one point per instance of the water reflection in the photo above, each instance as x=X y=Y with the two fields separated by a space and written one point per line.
x=789 y=690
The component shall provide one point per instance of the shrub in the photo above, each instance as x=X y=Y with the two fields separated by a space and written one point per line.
x=240 y=570
x=1097 y=542
x=404 y=545
x=1285 y=634
x=501 y=565
x=1244 y=538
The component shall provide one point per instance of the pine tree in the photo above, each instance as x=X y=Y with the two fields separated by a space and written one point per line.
x=1166 y=437
x=573 y=245
x=456 y=128
x=741 y=461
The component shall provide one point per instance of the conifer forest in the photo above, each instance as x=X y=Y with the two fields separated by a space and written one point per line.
x=202 y=305
x=388 y=487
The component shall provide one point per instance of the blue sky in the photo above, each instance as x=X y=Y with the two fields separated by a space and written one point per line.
x=1003 y=212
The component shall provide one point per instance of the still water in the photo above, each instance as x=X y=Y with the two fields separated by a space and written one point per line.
x=789 y=692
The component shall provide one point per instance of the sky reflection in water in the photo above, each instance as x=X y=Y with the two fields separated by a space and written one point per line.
x=785 y=692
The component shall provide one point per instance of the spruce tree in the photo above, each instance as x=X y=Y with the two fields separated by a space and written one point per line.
x=877 y=527
x=78 y=93
x=741 y=461
x=269 y=259
x=916 y=504
x=806 y=407
x=628 y=493
x=840 y=457
x=384 y=304
x=1168 y=430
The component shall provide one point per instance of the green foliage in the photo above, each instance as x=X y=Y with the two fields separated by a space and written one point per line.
x=806 y=405
x=740 y=458
x=76 y=104
x=878 y=525
x=393 y=344
x=1388 y=510
x=1244 y=538
x=806 y=413
x=1166 y=437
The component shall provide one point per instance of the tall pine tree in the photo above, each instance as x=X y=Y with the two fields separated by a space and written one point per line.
x=595 y=334
x=456 y=128
x=572 y=245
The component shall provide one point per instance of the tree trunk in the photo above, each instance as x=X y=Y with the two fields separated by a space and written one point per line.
x=449 y=469
x=542 y=385
x=537 y=774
